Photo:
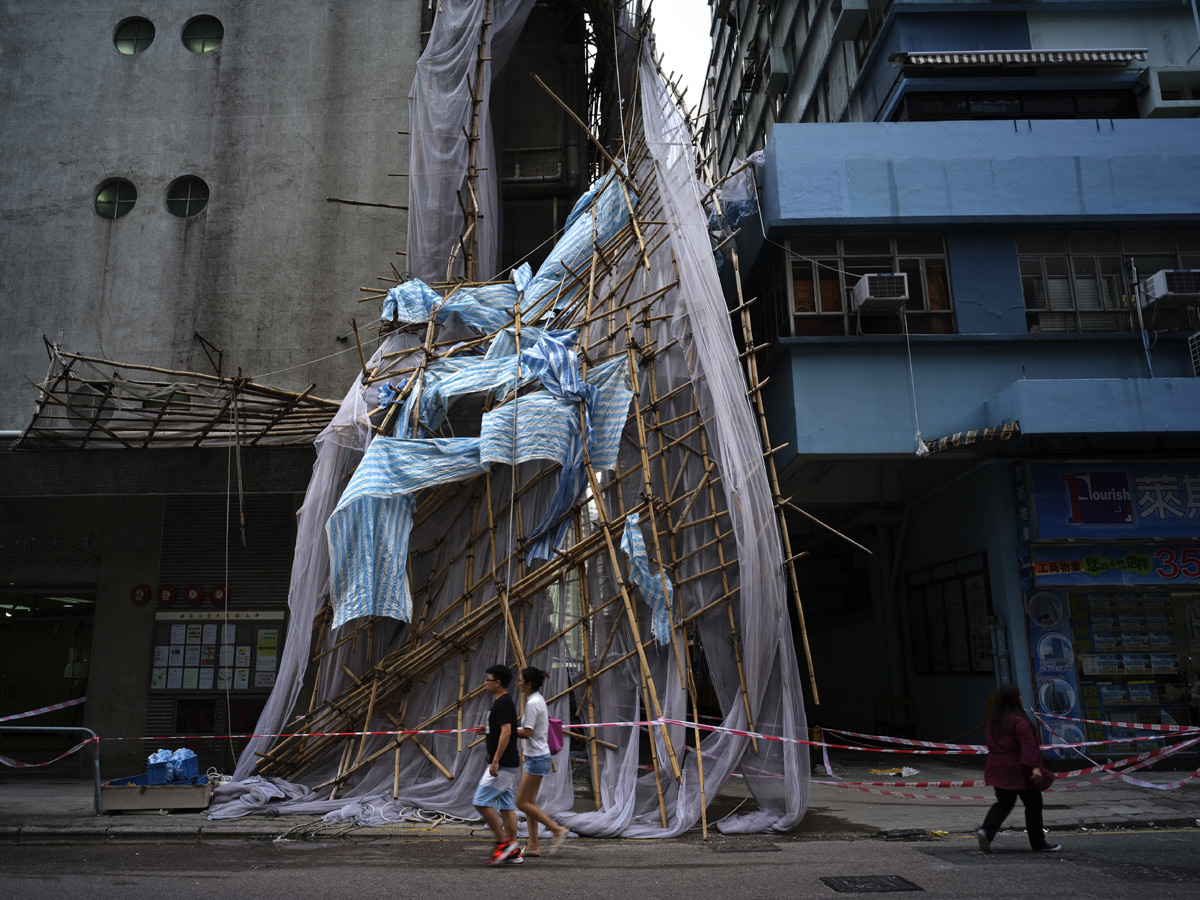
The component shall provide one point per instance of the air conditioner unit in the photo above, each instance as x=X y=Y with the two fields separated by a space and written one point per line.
x=1171 y=289
x=879 y=294
x=848 y=16
x=776 y=71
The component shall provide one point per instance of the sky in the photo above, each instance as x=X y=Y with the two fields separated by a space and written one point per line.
x=681 y=35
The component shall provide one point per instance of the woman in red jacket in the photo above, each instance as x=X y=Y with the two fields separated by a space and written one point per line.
x=1014 y=769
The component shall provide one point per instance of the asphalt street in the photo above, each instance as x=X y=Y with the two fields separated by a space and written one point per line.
x=1162 y=864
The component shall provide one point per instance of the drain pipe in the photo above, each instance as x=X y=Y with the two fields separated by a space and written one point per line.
x=1137 y=303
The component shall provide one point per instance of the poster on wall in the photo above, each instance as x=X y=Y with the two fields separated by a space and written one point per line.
x=1054 y=668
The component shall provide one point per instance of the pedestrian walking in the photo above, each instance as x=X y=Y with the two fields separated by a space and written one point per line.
x=494 y=797
x=1014 y=768
x=535 y=727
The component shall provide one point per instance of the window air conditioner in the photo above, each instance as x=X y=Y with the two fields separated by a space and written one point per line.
x=776 y=71
x=848 y=16
x=1171 y=289
x=880 y=294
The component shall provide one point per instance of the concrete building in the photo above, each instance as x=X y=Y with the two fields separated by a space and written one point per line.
x=205 y=187
x=190 y=186
x=980 y=222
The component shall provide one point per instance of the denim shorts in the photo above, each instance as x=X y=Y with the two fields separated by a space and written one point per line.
x=538 y=765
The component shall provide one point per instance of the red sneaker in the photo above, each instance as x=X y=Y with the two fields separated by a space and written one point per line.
x=503 y=851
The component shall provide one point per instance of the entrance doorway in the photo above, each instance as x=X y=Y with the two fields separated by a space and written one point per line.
x=45 y=649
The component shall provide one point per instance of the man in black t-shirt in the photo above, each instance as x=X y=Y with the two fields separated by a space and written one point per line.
x=495 y=797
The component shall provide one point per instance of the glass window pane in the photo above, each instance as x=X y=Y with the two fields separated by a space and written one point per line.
x=830 y=290
x=866 y=245
x=923 y=244
x=1040 y=242
x=803 y=293
x=937 y=284
x=1187 y=241
x=916 y=286
x=815 y=245
x=1134 y=242
x=1093 y=242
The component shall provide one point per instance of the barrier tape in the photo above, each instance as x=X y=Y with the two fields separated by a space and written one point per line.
x=44 y=709
x=887 y=739
x=13 y=764
x=1138 y=726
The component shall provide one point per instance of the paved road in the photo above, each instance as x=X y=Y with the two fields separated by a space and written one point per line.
x=1157 y=865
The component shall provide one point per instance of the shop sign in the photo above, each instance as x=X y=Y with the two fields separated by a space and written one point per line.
x=1101 y=564
x=1090 y=501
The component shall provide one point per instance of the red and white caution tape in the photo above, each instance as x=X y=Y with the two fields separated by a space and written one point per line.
x=1133 y=726
x=44 y=709
x=887 y=739
x=12 y=763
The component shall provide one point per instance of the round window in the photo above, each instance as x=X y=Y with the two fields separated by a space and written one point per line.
x=202 y=34
x=115 y=198
x=133 y=36
x=186 y=196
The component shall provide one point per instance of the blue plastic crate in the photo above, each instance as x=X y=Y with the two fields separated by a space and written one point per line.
x=156 y=773
x=186 y=772
x=143 y=780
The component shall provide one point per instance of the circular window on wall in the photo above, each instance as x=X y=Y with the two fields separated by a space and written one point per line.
x=202 y=34
x=186 y=196
x=115 y=198
x=133 y=36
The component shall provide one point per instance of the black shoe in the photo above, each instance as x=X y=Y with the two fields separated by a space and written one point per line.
x=1049 y=848
x=985 y=842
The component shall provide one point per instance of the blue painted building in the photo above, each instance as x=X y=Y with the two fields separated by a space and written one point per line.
x=1011 y=430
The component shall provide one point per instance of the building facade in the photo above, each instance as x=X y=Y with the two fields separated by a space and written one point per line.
x=195 y=187
x=977 y=264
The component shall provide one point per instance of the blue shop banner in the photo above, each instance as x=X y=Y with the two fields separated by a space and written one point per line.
x=1090 y=501
x=1054 y=668
x=1114 y=564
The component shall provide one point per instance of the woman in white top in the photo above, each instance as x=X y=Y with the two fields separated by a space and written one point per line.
x=535 y=727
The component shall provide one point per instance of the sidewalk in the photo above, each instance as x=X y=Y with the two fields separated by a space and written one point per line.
x=39 y=809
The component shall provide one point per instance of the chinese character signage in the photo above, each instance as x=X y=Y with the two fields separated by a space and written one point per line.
x=1097 y=564
x=1088 y=501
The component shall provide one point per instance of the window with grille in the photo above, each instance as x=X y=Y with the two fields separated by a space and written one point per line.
x=824 y=269
x=1081 y=281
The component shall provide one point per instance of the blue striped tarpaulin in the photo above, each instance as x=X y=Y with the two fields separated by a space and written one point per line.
x=369 y=529
x=651 y=584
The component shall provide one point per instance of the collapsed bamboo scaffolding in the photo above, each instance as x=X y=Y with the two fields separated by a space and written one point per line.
x=473 y=584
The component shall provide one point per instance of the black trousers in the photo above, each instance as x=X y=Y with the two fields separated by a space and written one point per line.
x=1031 y=799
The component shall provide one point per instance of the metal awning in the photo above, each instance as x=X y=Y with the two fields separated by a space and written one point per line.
x=1005 y=432
x=992 y=58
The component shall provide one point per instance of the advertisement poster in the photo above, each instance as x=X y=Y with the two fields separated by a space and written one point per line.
x=241 y=679
x=178 y=633
x=224 y=679
x=174 y=679
x=161 y=654
x=195 y=631
x=1116 y=564
x=1093 y=501
x=175 y=655
x=206 y=680
x=158 y=678
x=1054 y=667
x=209 y=634
x=268 y=641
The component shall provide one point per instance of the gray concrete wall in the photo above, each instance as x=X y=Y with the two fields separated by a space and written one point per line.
x=302 y=101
